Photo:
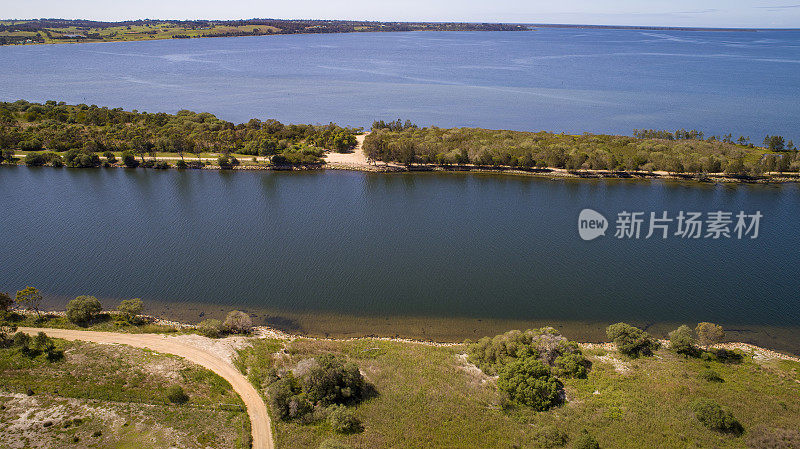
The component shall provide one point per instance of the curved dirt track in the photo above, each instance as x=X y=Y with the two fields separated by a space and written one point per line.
x=256 y=410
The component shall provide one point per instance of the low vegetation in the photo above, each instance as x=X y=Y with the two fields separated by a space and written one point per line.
x=647 y=151
x=69 y=395
x=429 y=397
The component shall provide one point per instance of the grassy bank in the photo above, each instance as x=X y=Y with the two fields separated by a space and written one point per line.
x=430 y=397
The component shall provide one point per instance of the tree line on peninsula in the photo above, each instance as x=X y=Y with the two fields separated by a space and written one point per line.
x=675 y=152
x=82 y=133
x=58 y=134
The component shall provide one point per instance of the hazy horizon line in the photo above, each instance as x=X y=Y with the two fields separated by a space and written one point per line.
x=677 y=27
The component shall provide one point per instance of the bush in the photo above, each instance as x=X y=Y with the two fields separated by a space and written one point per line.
x=490 y=354
x=110 y=157
x=286 y=399
x=709 y=333
x=710 y=375
x=160 y=165
x=83 y=309
x=572 y=365
x=681 y=341
x=227 y=162
x=342 y=420
x=550 y=436
x=528 y=382
x=129 y=160
x=130 y=309
x=180 y=164
x=176 y=395
x=238 y=322
x=211 y=328
x=332 y=381
x=585 y=441
x=711 y=415
x=630 y=340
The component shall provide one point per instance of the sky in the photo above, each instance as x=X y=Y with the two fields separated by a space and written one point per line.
x=691 y=13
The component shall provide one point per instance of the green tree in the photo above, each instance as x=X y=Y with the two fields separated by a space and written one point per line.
x=83 y=309
x=631 y=340
x=130 y=309
x=31 y=299
x=709 y=334
x=129 y=159
x=681 y=340
x=6 y=303
x=528 y=381
x=332 y=381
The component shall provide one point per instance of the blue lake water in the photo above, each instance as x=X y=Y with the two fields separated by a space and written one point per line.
x=569 y=80
x=314 y=251
x=382 y=245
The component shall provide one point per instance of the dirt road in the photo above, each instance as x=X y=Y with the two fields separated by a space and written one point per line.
x=256 y=410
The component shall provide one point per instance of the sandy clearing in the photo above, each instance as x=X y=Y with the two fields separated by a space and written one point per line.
x=256 y=409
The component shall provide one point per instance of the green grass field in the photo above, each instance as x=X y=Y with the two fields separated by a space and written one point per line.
x=428 y=397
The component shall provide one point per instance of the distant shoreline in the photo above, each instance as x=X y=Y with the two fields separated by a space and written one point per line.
x=54 y=31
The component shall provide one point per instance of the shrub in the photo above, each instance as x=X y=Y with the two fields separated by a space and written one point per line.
x=176 y=395
x=709 y=333
x=710 y=375
x=492 y=353
x=572 y=365
x=286 y=399
x=129 y=160
x=130 y=309
x=342 y=420
x=160 y=165
x=35 y=159
x=332 y=381
x=211 y=328
x=81 y=159
x=82 y=309
x=585 y=441
x=180 y=164
x=280 y=392
x=528 y=381
x=630 y=340
x=681 y=341
x=110 y=157
x=550 y=436
x=227 y=162
x=330 y=443
x=711 y=415
x=238 y=322
x=21 y=340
